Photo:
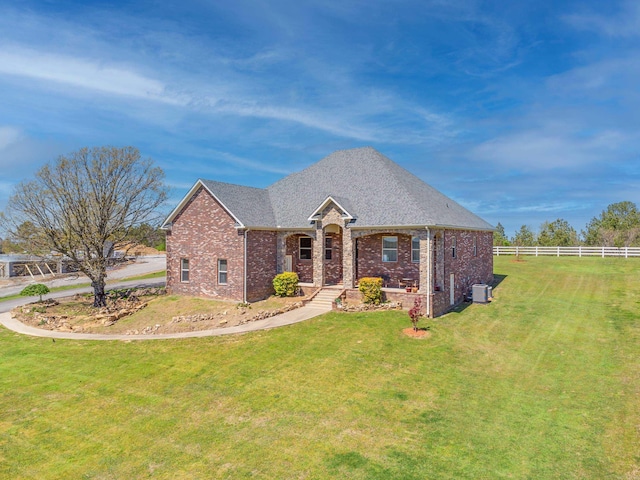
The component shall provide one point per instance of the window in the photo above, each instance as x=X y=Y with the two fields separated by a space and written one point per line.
x=222 y=272
x=328 y=242
x=453 y=247
x=415 y=250
x=475 y=246
x=184 y=269
x=389 y=249
x=305 y=248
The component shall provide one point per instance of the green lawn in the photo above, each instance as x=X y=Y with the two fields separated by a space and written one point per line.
x=544 y=383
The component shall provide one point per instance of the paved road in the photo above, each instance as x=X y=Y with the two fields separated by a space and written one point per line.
x=9 y=305
x=141 y=266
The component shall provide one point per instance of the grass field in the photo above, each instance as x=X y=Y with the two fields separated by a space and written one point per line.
x=543 y=384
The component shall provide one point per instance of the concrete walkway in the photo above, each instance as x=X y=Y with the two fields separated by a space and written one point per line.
x=288 y=318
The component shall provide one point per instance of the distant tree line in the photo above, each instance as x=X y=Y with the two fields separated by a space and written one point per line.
x=27 y=238
x=617 y=226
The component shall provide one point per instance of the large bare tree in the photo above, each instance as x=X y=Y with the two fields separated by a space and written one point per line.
x=85 y=204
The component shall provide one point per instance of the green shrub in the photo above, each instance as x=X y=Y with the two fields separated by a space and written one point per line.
x=286 y=284
x=371 y=289
x=35 y=289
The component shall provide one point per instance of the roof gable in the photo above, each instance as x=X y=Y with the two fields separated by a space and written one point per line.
x=248 y=206
x=329 y=200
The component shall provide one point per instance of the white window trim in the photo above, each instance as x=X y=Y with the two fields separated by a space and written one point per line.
x=183 y=270
x=225 y=271
x=306 y=248
x=453 y=247
x=389 y=249
x=415 y=249
x=475 y=246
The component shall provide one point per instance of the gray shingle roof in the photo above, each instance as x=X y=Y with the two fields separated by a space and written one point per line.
x=376 y=191
x=248 y=204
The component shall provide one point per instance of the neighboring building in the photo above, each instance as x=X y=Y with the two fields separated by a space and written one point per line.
x=353 y=214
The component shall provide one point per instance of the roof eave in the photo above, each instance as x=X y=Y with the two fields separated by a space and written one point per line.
x=459 y=227
x=419 y=227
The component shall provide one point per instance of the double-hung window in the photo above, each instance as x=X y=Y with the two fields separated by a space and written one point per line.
x=328 y=251
x=305 y=248
x=184 y=270
x=415 y=249
x=389 y=249
x=222 y=272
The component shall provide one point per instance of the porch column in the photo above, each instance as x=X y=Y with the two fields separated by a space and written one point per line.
x=318 y=256
x=281 y=250
x=348 y=255
x=426 y=264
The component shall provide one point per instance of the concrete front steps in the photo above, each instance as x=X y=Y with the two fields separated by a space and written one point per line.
x=325 y=297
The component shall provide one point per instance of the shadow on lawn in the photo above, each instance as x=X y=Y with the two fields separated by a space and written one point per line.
x=461 y=307
x=497 y=280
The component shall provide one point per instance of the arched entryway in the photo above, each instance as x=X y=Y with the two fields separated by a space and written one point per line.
x=332 y=255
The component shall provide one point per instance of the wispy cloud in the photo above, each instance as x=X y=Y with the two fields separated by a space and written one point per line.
x=624 y=23
x=238 y=161
x=546 y=150
x=8 y=136
x=84 y=73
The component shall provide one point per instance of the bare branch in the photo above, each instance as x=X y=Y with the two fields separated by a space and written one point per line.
x=87 y=202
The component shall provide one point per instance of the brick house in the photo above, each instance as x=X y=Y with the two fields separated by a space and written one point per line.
x=353 y=214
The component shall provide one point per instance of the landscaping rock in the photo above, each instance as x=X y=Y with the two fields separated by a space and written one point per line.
x=365 y=307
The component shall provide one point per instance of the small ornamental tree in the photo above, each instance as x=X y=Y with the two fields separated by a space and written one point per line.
x=416 y=312
x=35 y=289
x=286 y=284
x=371 y=289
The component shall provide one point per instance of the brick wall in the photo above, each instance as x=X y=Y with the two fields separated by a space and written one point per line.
x=440 y=303
x=304 y=268
x=261 y=264
x=469 y=266
x=203 y=233
x=370 y=262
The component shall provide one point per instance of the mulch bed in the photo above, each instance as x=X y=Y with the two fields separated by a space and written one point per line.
x=421 y=333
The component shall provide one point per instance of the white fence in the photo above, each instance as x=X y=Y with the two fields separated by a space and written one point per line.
x=625 y=252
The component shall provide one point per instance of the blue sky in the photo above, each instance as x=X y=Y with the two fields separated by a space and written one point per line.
x=521 y=111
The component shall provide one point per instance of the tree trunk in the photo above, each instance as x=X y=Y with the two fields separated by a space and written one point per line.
x=99 y=296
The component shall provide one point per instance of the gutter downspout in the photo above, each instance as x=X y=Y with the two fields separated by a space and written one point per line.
x=244 y=284
x=429 y=287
